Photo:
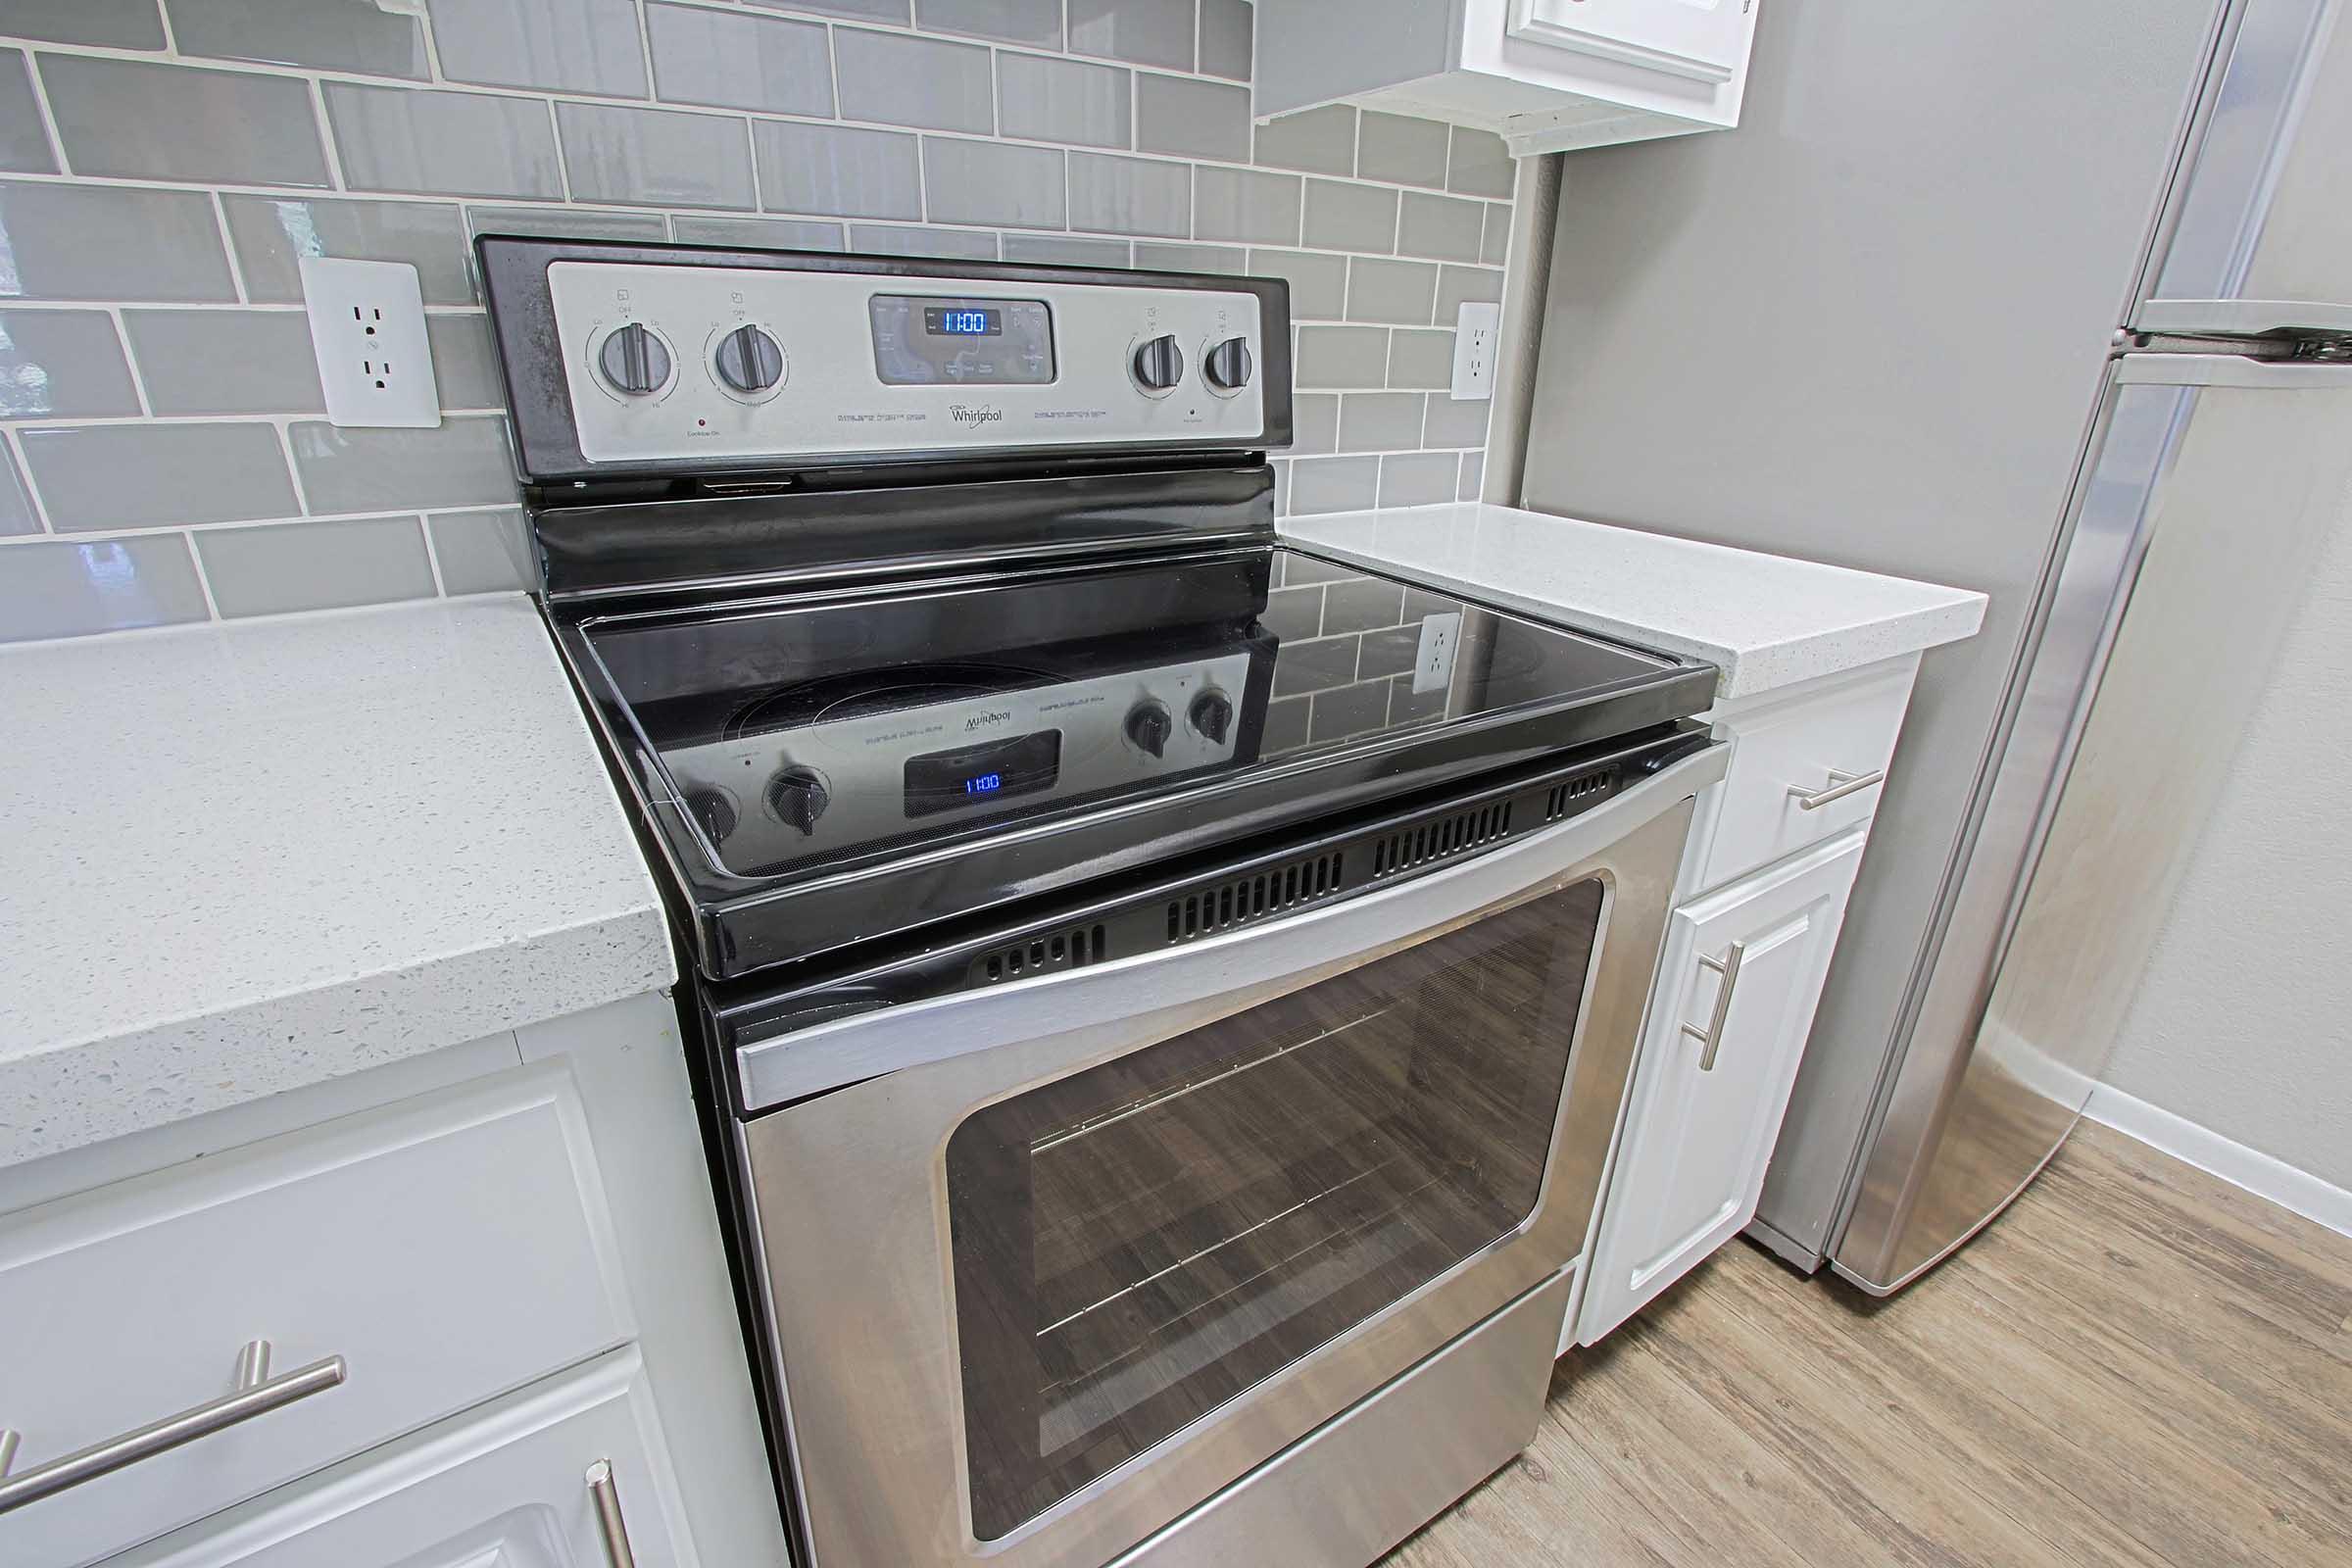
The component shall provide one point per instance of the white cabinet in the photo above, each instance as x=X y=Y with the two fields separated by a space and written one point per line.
x=1742 y=972
x=1549 y=75
x=514 y=1485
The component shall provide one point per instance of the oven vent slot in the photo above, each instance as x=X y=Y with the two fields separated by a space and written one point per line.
x=1251 y=897
x=1079 y=946
x=1582 y=787
x=1436 y=840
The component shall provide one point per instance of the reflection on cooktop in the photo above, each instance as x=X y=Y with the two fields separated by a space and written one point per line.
x=809 y=727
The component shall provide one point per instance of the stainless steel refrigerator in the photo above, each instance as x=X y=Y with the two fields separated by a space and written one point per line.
x=2047 y=301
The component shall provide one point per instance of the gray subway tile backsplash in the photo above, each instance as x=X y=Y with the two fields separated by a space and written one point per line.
x=1130 y=195
x=1380 y=422
x=71 y=587
x=225 y=362
x=1029 y=22
x=462 y=461
x=1480 y=165
x=1073 y=101
x=1473 y=479
x=762 y=233
x=903 y=80
x=1240 y=204
x=63 y=364
x=1191 y=117
x=96 y=477
x=1344 y=217
x=993 y=182
x=1125 y=142
x=1225 y=38
x=1150 y=33
x=104 y=23
x=1334 y=484
x=731 y=60
x=1418 y=478
x=24 y=140
x=345 y=35
x=272 y=233
x=1445 y=228
x=144 y=120
x=1398 y=147
x=842 y=170
x=588 y=46
x=286 y=566
x=1343 y=356
x=482 y=551
x=444 y=143
x=886 y=239
x=1316 y=142
x=1401 y=293
x=656 y=156
x=113 y=242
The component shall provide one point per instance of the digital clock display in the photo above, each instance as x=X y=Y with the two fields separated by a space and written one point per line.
x=994 y=770
x=962 y=321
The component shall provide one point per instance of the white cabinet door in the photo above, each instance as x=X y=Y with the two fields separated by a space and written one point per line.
x=1706 y=40
x=507 y=1486
x=1737 y=988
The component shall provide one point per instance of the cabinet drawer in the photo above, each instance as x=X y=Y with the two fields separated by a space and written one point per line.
x=446 y=1249
x=1785 y=751
x=505 y=1486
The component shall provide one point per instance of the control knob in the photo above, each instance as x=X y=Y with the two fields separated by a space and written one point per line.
x=749 y=360
x=1149 y=726
x=715 y=811
x=798 y=796
x=634 y=362
x=1229 y=365
x=1213 y=716
x=1160 y=364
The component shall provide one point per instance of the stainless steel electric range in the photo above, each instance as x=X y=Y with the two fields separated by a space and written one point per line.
x=1161 y=1000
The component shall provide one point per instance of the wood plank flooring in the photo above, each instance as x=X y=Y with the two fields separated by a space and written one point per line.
x=2138 y=1364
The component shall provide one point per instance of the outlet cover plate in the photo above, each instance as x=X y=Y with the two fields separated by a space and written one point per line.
x=1433 y=660
x=375 y=365
x=1476 y=326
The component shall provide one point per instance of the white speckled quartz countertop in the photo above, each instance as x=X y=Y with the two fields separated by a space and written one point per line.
x=240 y=858
x=1765 y=621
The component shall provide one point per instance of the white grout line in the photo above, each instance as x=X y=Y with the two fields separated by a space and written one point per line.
x=40 y=103
x=130 y=361
x=432 y=556
x=32 y=496
x=332 y=148
x=228 y=251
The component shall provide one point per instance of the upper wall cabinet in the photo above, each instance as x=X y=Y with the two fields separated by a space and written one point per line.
x=1549 y=75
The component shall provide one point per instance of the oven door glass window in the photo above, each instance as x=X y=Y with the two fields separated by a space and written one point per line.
x=1142 y=1241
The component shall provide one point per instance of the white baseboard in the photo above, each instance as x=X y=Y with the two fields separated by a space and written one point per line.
x=2312 y=1196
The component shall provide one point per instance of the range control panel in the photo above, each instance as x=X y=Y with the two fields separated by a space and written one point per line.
x=666 y=361
x=762 y=799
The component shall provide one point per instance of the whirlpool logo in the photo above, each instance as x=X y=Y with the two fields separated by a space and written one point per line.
x=974 y=413
x=990 y=719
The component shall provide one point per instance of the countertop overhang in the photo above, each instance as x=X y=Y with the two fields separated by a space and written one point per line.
x=241 y=858
x=1766 y=621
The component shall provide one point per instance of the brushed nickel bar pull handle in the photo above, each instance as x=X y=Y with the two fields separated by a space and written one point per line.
x=1840 y=786
x=257 y=1394
x=605 y=1492
x=1711 y=1036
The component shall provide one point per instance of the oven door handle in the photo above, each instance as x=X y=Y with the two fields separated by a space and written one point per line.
x=1182 y=986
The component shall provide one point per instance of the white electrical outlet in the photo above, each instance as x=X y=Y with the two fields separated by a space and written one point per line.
x=1433 y=663
x=1474 y=330
x=367 y=329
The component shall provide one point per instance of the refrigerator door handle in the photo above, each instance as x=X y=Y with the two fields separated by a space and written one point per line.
x=2234 y=370
x=2244 y=319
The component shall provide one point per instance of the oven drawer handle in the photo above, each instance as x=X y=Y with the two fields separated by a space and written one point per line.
x=1711 y=1036
x=257 y=1394
x=605 y=1492
x=1840 y=786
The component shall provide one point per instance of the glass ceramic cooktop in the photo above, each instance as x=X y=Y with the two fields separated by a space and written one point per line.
x=800 y=729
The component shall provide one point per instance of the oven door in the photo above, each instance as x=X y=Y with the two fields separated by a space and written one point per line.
x=1120 y=1234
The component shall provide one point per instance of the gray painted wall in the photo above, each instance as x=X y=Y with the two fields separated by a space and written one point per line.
x=163 y=163
x=2240 y=1021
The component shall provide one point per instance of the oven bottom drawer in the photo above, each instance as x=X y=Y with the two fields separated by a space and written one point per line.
x=1354 y=1487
